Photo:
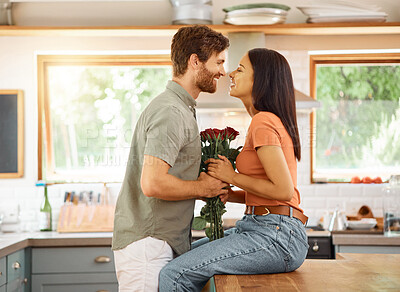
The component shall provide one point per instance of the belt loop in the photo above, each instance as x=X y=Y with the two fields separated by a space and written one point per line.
x=252 y=210
x=290 y=212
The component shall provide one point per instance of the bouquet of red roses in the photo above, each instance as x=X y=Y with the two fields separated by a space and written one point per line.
x=215 y=142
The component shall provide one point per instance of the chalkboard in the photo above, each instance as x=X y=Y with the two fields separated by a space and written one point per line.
x=11 y=133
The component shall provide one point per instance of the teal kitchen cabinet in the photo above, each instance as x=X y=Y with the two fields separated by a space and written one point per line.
x=18 y=271
x=3 y=274
x=73 y=269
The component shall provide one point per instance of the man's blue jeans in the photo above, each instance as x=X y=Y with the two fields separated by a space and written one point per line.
x=258 y=245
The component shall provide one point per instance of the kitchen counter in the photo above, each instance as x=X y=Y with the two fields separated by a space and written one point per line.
x=349 y=272
x=11 y=242
x=364 y=239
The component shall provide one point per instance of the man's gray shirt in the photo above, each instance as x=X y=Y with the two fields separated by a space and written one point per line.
x=167 y=129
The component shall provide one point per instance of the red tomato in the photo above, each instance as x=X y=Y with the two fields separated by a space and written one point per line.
x=378 y=180
x=355 y=180
x=367 y=180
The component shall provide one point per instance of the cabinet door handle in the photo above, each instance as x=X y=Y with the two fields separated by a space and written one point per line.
x=1 y=274
x=102 y=259
x=16 y=265
x=25 y=281
x=315 y=247
x=102 y=291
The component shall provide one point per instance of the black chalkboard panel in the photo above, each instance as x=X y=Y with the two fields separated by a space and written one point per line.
x=11 y=133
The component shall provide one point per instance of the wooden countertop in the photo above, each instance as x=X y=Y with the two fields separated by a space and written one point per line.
x=349 y=272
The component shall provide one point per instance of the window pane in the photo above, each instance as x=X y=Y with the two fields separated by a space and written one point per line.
x=358 y=126
x=94 y=110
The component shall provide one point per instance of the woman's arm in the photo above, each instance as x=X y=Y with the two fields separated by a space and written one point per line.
x=278 y=186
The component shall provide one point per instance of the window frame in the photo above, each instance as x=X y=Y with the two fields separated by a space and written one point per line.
x=338 y=59
x=44 y=114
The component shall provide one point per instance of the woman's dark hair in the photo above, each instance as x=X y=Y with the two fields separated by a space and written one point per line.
x=273 y=90
x=198 y=39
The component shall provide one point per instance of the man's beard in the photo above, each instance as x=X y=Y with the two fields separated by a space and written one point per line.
x=205 y=80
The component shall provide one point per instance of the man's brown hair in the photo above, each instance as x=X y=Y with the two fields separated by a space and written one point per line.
x=200 y=40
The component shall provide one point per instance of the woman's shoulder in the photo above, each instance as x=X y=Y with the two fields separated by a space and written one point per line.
x=265 y=118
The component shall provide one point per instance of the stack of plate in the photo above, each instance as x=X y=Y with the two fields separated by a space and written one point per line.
x=341 y=11
x=256 y=14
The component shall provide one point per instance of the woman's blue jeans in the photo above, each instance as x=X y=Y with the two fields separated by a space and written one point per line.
x=258 y=245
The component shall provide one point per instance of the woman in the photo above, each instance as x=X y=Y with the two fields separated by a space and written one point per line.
x=271 y=237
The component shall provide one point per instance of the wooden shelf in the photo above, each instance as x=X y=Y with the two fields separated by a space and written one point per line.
x=300 y=29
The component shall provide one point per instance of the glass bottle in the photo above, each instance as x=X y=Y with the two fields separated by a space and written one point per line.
x=45 y=215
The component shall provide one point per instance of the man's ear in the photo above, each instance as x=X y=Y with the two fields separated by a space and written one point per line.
x=194 y=61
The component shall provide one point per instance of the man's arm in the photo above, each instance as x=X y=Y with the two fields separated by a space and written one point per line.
x=157 y=182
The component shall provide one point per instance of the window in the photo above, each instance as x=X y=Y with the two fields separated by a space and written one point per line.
x=357 y=129
x=88 y=108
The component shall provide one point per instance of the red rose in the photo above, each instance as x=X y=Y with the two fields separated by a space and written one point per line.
x=203 y=136
x=231 y=133
x=209 y=134
x=217 y=132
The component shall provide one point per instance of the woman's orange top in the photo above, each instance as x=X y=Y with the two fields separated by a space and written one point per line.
x=266 y=129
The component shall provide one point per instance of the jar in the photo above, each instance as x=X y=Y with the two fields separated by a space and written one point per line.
x=391 y=207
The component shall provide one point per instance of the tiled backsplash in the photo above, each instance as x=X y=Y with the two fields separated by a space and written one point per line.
x=316 y=200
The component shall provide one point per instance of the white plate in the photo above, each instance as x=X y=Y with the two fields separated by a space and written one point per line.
x=363 y=224
x=255 y=20
x=346 y=19
x=257 y=11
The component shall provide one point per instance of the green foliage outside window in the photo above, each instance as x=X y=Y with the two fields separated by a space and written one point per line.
x=94 y=110
x=358 y=126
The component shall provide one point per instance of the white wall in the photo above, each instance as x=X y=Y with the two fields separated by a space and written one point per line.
x=147 y=12
x=18 y=71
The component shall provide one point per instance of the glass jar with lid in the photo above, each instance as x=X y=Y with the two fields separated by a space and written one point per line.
x=391 y=207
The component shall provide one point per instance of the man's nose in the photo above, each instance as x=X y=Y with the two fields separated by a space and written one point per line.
x=223 y=72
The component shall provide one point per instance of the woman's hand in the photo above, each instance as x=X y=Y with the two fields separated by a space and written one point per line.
x=221 y=169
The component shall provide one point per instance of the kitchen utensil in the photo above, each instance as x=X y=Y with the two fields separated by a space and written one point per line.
x=338 y=221
x=81 y=208
x=365 y=212
x=63 y=208
x=255 y=19
x=363 y=224
x=176 y=3
x=11 y=219
x=391 y=207
x=5 y=13
x=256 y=5
x=192 y=14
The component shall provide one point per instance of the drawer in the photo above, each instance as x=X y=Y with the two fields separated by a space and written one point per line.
x=72 y=260
x=16 y=266
x=75 y=282
x=3 y=271
x=319 y=248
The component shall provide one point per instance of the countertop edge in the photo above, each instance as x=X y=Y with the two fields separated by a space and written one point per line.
x=15 y=242
x=13 y=247
x=364 y=239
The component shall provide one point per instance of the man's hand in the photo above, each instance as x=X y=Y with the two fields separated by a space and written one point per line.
x=211 y=186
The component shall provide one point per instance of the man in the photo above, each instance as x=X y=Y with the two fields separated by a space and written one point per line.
x=155 y=206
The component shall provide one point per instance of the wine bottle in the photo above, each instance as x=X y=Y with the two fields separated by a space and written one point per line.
x=45 y=216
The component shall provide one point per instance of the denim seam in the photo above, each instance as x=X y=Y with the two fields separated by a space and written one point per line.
x=217 y=260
